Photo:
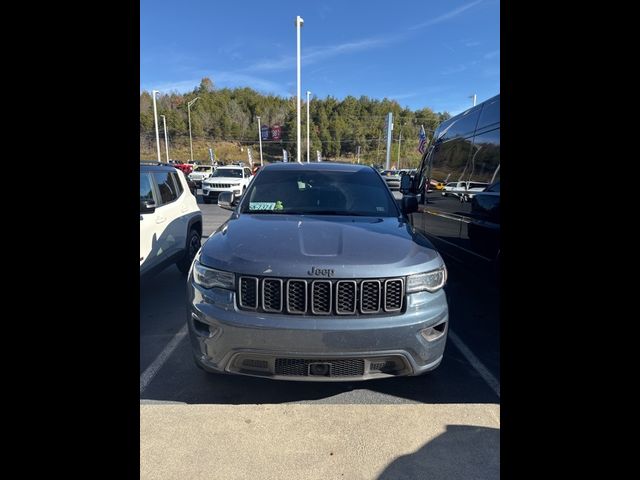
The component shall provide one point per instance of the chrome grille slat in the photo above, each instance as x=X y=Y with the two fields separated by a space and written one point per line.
x=299 y=296
x=272 y=295
x=393 y=294
x=321 y=298
x=249 y=292
x=296 y=296
x=346 y=294
x=370 y=296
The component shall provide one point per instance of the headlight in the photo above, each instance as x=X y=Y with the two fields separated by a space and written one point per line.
x=209 y=278
x=429 y=281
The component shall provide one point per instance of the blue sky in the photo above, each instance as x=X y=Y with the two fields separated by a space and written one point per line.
x=429 y=53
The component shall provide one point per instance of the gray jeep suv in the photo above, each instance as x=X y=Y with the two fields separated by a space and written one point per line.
x=317 y=275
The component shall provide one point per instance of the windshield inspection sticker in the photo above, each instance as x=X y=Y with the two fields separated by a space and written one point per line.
x=262 y=205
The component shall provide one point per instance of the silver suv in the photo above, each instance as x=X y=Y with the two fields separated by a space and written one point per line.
x=317 y=275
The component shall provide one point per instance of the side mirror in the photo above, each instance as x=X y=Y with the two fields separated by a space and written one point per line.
x=225 y=200
x=148 y=206
x=409 y=204
x=405 y=183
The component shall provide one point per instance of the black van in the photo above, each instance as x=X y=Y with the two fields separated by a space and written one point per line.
x=465 y=151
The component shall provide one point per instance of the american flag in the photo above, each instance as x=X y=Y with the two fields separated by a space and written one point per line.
x=422 y=146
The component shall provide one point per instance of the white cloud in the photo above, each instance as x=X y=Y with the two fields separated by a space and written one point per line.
x=222 y=80
x=453 y=13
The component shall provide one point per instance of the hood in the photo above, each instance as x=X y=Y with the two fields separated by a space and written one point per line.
x=301 y=245
x=223 y=179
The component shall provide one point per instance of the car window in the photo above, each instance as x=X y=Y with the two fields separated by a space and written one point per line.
x=247 y=172
x=228 y=172
x=308 y=192
x=146 y=189
x=464 y=125
x=174 y=175
x=166 y=187
x=490 y=114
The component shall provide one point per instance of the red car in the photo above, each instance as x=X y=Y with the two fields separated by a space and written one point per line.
x=185 y=167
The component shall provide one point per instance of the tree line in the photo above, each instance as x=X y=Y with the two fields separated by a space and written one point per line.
x=338 y=127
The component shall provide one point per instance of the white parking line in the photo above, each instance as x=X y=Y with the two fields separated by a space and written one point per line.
x=152 y=369
x=476 y=363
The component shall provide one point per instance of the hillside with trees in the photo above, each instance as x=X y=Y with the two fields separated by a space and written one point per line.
x=225 y=120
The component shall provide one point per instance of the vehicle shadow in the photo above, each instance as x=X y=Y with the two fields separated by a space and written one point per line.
x=462 y=452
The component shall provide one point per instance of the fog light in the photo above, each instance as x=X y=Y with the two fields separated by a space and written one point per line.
x=433 y=333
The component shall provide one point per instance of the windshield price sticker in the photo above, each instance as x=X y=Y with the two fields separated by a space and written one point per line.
x=262 y=205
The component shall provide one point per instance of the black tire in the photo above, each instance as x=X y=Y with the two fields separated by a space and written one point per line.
x=193 y=245
x=206 y=200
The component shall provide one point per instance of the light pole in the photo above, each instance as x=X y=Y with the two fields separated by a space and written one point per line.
x=308 y=93
x=399 y=146
x=155 y=118
x=189 y=111
x=299 y=23
x=260 y=139
x=474 y=96
x=166 y=140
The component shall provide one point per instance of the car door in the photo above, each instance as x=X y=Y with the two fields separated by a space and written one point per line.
x=148 y=226
x=170 y=220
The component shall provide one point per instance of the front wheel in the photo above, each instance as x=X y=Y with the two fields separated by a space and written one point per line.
x=193 y=245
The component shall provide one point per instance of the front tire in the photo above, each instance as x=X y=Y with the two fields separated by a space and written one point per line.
x=193 y=245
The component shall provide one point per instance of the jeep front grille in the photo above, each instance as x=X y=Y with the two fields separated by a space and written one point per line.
x=321 y=297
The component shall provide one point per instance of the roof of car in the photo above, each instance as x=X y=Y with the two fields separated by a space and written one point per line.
x=230 y=166
x=320 y=166
x=148 y=166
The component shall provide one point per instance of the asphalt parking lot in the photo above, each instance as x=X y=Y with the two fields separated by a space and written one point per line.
x=469 y=373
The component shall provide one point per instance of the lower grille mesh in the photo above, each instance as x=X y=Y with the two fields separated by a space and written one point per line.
x=300 y=367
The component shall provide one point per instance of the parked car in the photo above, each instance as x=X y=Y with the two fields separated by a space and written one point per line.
x=226 y=179
x=201 y=172
x=340 y=288
x=184 y=167
x=465 y=147
x=170 y=220
x=392 y=178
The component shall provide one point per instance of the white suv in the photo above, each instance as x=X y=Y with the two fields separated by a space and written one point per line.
x=201 y=173
x=229 y=178
x=170 y=220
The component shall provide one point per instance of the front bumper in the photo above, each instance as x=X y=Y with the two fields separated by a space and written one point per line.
x=290 y=347
x=393 y=184
x=214 y=192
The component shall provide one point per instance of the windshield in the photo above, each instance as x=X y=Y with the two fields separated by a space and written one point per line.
x=389 y=172
x=228 y=172
x=308 y=192
x=203 y=169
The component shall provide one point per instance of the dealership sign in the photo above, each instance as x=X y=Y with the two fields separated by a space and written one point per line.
x=275 y=132
x=265 y=132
